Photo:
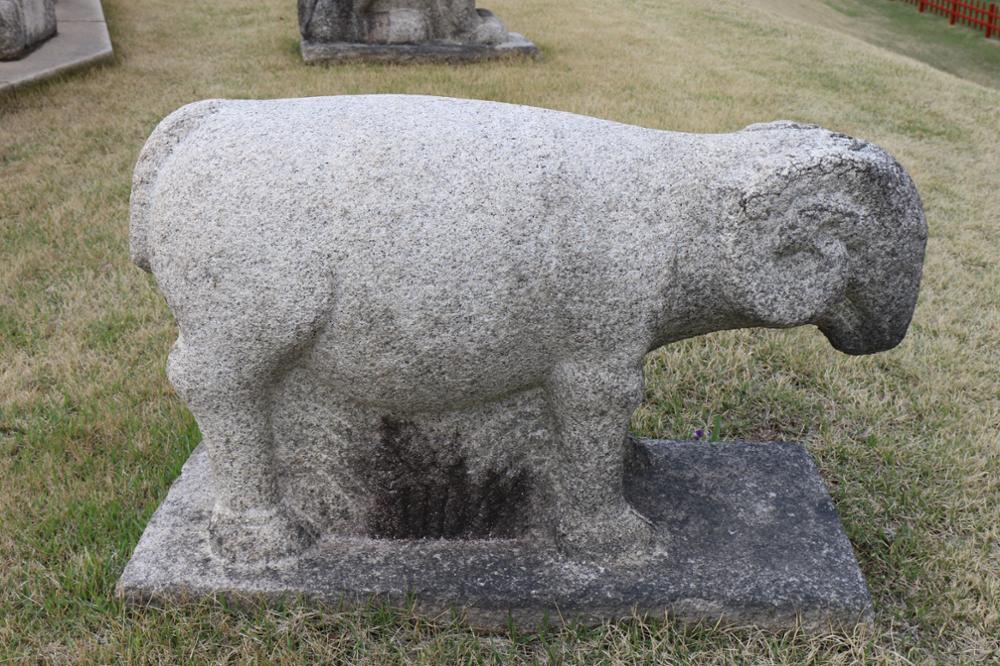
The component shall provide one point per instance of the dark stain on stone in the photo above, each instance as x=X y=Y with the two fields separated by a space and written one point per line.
x=422 y=488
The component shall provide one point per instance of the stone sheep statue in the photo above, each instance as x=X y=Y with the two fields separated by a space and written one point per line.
x=399 y=266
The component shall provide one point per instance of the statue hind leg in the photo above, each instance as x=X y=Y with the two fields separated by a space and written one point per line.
x=226 y=388
x=239 y=333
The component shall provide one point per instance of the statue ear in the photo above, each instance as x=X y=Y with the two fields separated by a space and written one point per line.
x=795 y=276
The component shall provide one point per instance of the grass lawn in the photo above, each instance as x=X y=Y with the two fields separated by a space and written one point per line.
x=91 y=435
x=898 y=26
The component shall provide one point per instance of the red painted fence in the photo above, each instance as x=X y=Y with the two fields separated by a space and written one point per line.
x=974 y=13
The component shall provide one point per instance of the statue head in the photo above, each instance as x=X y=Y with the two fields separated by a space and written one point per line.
x=825 y=230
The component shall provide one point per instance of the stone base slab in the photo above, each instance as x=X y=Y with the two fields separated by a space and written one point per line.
x=81 y=39
x=515 y=46
x=745 y=533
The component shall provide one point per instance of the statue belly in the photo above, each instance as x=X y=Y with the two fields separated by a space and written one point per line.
x=425 y=371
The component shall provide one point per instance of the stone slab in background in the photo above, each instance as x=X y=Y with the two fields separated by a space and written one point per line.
x=24 y=24
x=745 y=532
x=82 y=39
x=516 y=45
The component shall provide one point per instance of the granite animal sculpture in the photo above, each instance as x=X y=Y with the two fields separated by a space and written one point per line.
x=422 y=255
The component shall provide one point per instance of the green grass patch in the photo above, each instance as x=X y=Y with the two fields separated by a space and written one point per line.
x=899 y=27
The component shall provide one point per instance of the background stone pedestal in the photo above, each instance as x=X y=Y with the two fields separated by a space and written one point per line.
x=745 y=532
x=516 y=45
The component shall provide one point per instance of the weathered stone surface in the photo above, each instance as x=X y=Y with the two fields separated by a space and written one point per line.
x=24 y=24
x=420 y=317
x=743 y=532
x=82 y=40
x=515 y=45
x=404 y=30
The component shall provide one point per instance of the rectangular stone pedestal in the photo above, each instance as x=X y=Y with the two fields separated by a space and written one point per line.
x=745 y=532
x=515 y=46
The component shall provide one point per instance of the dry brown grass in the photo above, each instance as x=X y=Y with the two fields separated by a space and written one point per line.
x=91 y=435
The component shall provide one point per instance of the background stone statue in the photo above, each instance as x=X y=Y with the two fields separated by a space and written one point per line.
x=24 y=24
x=398 y=21
x=407 y=317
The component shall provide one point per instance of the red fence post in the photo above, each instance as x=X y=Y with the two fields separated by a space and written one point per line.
x=920 y=5
x=991 y=20
x=954 y=12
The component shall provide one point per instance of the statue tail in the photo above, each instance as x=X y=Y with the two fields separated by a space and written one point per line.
x=159 y=146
